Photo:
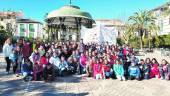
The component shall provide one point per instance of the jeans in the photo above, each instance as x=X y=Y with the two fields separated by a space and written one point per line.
x=15 y=65
x=8 y=61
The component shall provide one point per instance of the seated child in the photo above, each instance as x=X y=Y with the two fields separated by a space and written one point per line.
x=119 y=70
x=48 y=73
x=97 y=70
x=134 y=72
x=164 y=70
x=38 y=71
x=154 y=69
x=63 y=66
x=141 y=67
x=146 y=68
x=27 y=70
x=83 y=61
x=89 y=67
x=106 y=69
x=72 y=65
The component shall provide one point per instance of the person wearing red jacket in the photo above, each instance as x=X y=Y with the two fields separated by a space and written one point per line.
x=106 y=69
x=44 y=60
x=97 y=69
x=154 y=69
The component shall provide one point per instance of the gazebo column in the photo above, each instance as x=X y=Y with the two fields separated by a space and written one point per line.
x=50 y=33
x=61 y=19
x=53 y=36
x=56 y=30
x=78 y=26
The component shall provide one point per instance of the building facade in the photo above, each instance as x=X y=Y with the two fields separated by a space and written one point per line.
x=8 y=20
x=163 y=19
x=15 y=23
x=29 y=28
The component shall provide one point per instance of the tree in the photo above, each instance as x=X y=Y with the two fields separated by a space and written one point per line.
x=128 y=33
x=141 y=22
x=152 y=32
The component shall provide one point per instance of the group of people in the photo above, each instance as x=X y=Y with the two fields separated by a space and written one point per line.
x=45 y=61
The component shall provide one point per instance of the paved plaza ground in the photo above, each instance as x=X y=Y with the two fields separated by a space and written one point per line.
x=75 y=85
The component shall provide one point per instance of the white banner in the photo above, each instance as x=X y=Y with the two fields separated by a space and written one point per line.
x=99 y=34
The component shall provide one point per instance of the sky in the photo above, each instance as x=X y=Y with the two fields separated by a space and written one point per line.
x=99 y=9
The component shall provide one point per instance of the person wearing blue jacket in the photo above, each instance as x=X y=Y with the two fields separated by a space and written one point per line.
x=134 y=72
x=27 y=70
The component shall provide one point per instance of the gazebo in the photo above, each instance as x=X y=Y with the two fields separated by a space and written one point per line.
x=65 y=23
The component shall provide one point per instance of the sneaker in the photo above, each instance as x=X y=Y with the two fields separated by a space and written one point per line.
x=123 y=78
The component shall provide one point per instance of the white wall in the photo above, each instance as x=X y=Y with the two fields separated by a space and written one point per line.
x=37 y=26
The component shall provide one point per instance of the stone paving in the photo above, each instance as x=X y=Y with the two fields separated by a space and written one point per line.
x=75 y=85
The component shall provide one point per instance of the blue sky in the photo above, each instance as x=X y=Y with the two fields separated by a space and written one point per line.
x=99 y=9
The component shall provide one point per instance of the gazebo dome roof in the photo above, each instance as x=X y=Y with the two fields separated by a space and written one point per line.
x=69 y=11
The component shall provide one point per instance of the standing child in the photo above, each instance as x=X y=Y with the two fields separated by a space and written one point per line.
x=13 y=58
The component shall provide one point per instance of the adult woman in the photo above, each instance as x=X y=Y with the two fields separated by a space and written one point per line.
x=7 y=50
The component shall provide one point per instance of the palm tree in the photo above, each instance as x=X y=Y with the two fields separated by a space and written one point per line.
x=152 y=32
x=128 y=33
x=141 y=21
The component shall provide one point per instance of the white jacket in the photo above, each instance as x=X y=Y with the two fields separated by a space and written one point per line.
x=55 y=61
x=7 y=50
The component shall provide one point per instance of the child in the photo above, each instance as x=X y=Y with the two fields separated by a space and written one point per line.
x=48 y=73
x=97 y=70
x=27 y=70
x=63 y=66
x=44 y=60
x=141 y=67
x=38 y=71
x=72 y=65
x=35 y=56
x=13 y=58
x=89 y=67
x=134 y=72
x=83 y=60
x=119 y=70
x=154 y=69
x=146 y=68
x=106 y=69
x=164 y=68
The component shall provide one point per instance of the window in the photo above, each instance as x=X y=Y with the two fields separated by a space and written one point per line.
x=22 y=28
x=31 y=28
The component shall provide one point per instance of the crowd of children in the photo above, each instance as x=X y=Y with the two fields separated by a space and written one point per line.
x=45 y=61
